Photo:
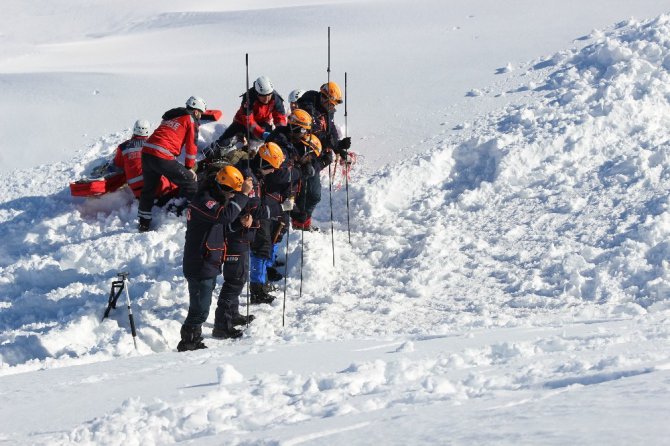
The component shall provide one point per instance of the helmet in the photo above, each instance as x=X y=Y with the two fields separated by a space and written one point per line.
x=231 y=177
x=263 y=85
x=300 y=118
x=331 y=91
x=295 y=95
x=197 y=103
x=141 y=127
x=312 y=142
x=271 y=153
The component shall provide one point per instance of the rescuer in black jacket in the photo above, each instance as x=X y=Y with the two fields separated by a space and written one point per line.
x=218 y=203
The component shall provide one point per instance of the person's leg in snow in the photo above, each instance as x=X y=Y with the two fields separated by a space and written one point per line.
x=200 y=299
x=153 y=168
x=227 y=314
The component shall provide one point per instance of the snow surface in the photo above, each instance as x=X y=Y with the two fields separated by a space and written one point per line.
x=507 y=280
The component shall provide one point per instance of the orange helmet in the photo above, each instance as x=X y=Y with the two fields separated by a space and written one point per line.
x=312 y=142
x=332 y=93
x=271 y=153
x=231 y=177
x=300 y=118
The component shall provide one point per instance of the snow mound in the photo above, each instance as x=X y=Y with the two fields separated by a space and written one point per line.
x=557 y=204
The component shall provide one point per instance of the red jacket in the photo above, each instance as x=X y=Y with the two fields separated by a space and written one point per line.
x=262 y=115
x=129 y=158
x=178 y=129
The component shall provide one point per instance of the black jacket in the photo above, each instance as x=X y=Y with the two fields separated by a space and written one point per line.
x=323 y=121
x=206 y=224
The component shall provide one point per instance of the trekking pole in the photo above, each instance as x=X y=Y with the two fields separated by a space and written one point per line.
x=283 y=310
x=302 y=246
x=249 y=171
x=330 y=181
x=124 y=278
x=288 y=233
x=346 y=160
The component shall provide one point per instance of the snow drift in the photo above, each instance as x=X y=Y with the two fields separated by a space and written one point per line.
x=561 y=203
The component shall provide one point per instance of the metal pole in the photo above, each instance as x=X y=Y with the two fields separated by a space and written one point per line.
x=288 y=232
x=346 y=161
x=283 y=310
x=330 y=181
x=124 y=276
x=249 y=170
x=302 y=258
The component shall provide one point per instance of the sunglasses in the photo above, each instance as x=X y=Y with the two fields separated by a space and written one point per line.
x=330 y=100
x=297 y=129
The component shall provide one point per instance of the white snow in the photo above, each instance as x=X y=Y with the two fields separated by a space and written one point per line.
x=507 y=280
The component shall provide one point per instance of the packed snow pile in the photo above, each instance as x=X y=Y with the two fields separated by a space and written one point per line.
x=560 y=205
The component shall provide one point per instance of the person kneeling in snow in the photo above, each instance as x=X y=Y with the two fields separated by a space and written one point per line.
x=217 y=204
x=265 y=112
x=128 y=158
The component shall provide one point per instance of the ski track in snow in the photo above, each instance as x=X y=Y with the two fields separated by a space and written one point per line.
x=556 y=206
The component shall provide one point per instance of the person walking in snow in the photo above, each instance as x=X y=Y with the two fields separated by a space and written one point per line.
x=321 y=106
x=178 y=129
x=218 y=203
x=128 y=158
x=266 y=111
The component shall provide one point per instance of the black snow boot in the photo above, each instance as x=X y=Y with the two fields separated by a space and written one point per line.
x=259 y=294
x=239 y=319
x=144 y=225
x=222 y=333
x=274 y=275
x=191 y=338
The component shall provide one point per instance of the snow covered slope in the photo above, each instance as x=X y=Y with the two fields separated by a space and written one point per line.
x=511 y=275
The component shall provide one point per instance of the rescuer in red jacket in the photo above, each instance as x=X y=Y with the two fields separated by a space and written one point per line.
x=266 y=112
x=129 y=159
x=178 y=129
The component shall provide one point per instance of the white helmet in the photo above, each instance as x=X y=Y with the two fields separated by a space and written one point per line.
x=263 y=85
x=295 y=95
x=141 y=127
x=196 y=102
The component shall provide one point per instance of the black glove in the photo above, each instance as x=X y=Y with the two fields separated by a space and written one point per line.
x=307 y=170
x=344 y=144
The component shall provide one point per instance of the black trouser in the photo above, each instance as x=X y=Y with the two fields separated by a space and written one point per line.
x=234 y=277
x=152 y=169
x=262 y=244
x=307 y=199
